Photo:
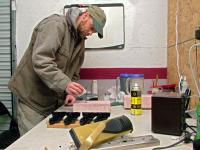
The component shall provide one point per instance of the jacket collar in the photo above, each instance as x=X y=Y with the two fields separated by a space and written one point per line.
x=71 y=16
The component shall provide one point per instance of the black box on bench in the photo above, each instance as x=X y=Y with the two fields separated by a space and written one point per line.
x=168 y=114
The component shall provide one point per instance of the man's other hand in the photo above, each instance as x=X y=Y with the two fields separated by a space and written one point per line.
x=69 y=100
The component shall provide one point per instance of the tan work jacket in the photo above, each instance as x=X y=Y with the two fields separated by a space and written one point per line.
x=52 y=60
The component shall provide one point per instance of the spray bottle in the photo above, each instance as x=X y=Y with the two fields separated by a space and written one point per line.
x=184 y=85
x=180 y=84
x=136 y=100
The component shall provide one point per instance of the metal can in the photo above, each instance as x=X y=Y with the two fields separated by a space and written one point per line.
x=136 y=100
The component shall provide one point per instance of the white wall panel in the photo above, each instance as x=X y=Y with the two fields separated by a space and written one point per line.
x=145 y=32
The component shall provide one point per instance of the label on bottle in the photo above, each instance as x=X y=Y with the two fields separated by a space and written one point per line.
x=136 y=101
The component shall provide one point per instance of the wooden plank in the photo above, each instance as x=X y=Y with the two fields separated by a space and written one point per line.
x=188 y=22
x=62 y=125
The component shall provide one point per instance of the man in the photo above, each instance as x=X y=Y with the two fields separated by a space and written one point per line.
x=47 y=73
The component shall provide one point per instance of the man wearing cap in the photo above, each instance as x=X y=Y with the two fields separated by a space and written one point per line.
x=47 y=74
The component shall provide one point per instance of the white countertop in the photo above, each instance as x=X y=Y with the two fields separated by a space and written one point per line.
x=59 y=139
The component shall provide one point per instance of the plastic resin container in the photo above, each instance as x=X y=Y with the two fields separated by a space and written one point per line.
x=128 y=80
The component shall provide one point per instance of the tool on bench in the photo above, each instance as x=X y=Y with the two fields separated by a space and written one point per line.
x=91 y=135
x=128 y=142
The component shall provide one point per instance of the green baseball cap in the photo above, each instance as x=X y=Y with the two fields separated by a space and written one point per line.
x=99 y=19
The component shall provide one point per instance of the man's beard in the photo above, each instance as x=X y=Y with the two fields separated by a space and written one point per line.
x=81 y=29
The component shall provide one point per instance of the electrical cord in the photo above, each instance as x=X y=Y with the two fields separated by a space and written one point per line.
x=158 y=148
x=176 y=46
x=186 y=139
x=191 y=127
x=181 y=42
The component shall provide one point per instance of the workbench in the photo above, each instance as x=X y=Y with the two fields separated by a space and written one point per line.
x=43 y=138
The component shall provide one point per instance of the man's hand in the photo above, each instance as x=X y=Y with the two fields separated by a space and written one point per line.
x=74 y=89
x=69 y=100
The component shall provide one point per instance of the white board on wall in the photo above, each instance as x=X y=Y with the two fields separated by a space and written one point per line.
x=113 y=30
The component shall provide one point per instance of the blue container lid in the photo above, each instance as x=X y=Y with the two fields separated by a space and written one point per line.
x=124 y=75
x=131 y=75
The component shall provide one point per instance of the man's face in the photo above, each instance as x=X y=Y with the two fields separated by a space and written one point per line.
x=85 y=28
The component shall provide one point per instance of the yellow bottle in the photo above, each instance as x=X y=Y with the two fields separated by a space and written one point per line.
x=136 y=100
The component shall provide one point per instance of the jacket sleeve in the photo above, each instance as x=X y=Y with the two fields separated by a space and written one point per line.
x=48 y=41
x=76 y=75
